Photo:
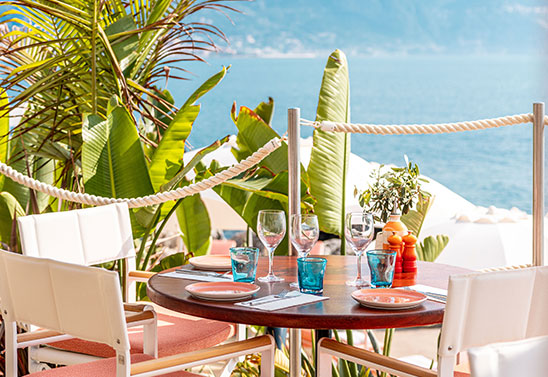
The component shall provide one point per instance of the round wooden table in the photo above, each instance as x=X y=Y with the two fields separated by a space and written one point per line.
x=339 y=312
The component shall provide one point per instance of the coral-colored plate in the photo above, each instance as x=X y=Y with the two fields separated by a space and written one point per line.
x=212 y=262
x=388 y=299
x=222 y=291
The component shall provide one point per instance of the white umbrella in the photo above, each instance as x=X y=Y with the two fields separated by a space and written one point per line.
x=486 y=238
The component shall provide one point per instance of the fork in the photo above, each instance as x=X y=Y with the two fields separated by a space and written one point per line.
x=268 y=299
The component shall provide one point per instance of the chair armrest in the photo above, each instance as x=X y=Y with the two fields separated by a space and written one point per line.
x=132 y=307
x=40 y=337
x=142 y=276
x=225 y=351
x=372 y=359
x=138 y=313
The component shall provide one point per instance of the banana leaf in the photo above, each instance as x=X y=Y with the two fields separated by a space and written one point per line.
x=113 y=162
x=266 y=111
x=431 y=247
x=414 y=219
x=168 y=157
x=330 y=154
x=253 y=133
x=195 y=224
x=20 y=161
x=10 y=209
x=44 y=171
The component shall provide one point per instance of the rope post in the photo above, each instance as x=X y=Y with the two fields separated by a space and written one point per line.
x=293 y=141
x=538 y=184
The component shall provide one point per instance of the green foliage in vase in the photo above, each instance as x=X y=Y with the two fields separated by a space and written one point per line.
x=398 y=188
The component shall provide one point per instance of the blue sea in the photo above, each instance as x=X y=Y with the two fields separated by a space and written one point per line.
x=490 y=167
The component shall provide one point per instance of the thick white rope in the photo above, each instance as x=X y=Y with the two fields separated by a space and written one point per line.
x=407 y=129
x=149 y=200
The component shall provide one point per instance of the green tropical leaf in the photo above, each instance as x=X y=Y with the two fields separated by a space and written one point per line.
x=195 y=224
x=113 y=162
x=206 y=86
x=192 y=163
x=414 y=219
x=266 y=111
x=248 y=198
x=44 y=171
x=18 y=160
x=124 y=46
x=253 y=133
x=431 y=247
x=168 y=157
x=330 y=155
x=10 y=209
x=4 y=130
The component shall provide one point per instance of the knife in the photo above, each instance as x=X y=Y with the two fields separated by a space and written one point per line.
x=203 y=273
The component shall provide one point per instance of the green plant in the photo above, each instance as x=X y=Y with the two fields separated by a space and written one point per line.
x=67 y=58
x=267 y=185
x=87 y=76
x=398 y=188
x=329 y=159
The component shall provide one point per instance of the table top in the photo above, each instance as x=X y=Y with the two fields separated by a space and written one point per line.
x=339 y=312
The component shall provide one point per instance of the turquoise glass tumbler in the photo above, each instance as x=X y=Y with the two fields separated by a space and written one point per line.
x=310 y=272
x=381 y=263
x=244 y=263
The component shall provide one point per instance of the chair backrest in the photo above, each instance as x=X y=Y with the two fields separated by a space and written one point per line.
x=84 y=236
x=527 y=357
x=77 y=300
x=484 y=308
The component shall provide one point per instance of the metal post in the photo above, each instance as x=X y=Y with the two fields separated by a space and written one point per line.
x=293 y=141
x=538 y=184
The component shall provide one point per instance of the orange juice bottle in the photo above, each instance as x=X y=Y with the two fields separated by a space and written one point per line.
x=394 y=226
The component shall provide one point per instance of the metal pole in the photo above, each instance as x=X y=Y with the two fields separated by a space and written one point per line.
x=538 y=184
x=293 y=141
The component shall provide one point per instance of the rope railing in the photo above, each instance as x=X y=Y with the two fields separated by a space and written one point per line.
x=260 y=154
x=408 y=129
x=149 y=200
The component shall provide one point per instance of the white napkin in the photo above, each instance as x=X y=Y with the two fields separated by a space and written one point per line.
x=182 y=275
x=435 y=294
x=286 y=302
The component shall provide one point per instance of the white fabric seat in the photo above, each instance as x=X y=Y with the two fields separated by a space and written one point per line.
x=482 y=308
x=86 y=302
x=99 y=235
x=527 y=357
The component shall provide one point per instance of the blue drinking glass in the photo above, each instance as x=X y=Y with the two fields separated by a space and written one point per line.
x=310 y=272
x=381 y=263
x=244 y=263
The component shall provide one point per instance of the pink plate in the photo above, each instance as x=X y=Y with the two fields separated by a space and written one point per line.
x=212 y=262
x=222 y=291
x=389 y=299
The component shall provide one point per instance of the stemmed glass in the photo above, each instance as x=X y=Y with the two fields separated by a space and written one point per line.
x=358 y=231
x=304 y=233
x=271 y=231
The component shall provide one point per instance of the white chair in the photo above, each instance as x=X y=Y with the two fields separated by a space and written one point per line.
x=482 y=308
x=98 y=235
x=527 y=357
x=86 y=302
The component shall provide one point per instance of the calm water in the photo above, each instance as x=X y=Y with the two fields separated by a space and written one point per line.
x=491 y=167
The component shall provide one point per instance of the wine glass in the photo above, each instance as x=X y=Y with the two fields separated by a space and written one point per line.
x=358 y=231
x=271 y=231
x=304 y=233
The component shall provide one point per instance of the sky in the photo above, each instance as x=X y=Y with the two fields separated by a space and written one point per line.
x=310 y=28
